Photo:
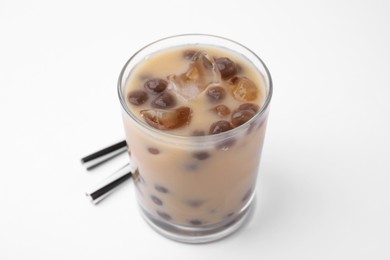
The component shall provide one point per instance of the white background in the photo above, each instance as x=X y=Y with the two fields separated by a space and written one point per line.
x=324 y=185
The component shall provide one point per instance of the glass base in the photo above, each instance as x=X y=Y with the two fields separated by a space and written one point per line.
x=198 y=235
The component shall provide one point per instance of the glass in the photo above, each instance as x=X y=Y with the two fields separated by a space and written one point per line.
x=195 y=189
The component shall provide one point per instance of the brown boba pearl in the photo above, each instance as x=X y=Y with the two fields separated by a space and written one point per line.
x=164 y=215
x=164 y=100
x=153 y=150
x=249 y=106
x=156 y=200
x=244 y=112
x=201 y=155
x=155 y=86
x=195 y=222
x=137 y=97
x=216 y=94
x=161 y=189
x=222 y=110
x=227 y=67
x=194 y=203
x=240 y=117
x=220 y=126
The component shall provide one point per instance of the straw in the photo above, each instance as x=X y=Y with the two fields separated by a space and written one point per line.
x=108 y=185
x=103 y=155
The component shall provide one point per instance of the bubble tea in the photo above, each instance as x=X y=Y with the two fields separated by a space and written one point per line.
x=195 y=110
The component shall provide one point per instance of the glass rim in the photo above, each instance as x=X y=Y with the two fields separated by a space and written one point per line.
x=228 y=133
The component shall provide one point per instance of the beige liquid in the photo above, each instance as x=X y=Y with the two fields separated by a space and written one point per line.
x=198 y=183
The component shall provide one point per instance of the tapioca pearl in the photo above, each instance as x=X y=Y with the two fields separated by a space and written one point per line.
x=194 y=203
x=164 y=215
x=160 y=188
x=198 y=133
x=226 y=66
x=220 y=126
x=241 y=116
x=156 y=200
x=164 y=100
x=195 y=222
x=201 y=155
x=222 y=110
x=153 y=150
x=137 y=97
x=155 y=86
x=249 y=106
x=216 y=94
x=226 y=144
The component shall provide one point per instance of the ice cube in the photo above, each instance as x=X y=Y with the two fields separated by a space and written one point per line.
x=243 y=89
x=167 y=119
x=201 y=73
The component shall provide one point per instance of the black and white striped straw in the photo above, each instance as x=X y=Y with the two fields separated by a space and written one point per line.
x=109 y=184
x=103 y=155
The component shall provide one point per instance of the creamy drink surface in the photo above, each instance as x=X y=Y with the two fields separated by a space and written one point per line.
x=196 y=91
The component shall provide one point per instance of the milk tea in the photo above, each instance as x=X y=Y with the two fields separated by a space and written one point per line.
x=196 y=133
